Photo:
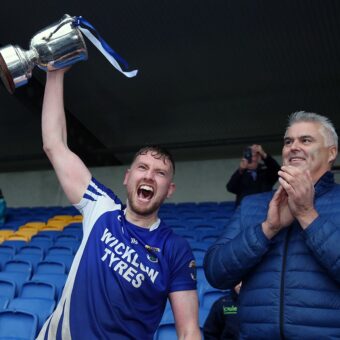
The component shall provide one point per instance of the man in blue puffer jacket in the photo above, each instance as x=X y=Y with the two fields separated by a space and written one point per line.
x=285 y=246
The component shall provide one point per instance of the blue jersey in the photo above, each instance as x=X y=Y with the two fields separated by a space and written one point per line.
x=121 y=275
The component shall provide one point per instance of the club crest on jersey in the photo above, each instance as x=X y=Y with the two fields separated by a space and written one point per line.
x=192 y=266
x=152 y=258
x=150 y=255
x=152 y=249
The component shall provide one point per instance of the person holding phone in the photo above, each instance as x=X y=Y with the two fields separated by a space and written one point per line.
x=257 y=173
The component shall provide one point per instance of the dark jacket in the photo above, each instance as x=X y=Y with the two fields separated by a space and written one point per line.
x=222 y=321
x=290 y=284
x=243 y=184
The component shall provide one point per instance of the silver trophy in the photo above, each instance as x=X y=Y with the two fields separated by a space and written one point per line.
x=55 y=47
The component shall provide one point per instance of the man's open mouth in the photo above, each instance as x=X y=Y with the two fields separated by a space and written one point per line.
x=145 y=192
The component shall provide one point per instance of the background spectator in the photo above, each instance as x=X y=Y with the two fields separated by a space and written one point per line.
x=257 y=173
x=222 y=321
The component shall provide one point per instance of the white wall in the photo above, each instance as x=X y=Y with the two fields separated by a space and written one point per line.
x=196 y=181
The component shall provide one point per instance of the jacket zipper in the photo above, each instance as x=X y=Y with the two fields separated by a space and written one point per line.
x=283 y=273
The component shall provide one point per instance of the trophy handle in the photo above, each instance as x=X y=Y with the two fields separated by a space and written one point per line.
x=66 y=19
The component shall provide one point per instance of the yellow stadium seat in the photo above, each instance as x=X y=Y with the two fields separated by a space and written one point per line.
x=38 y=225
x=29 y=227
x=52 y=227
x=77 y=218
x=5 y=233
x=18 y=237
x=29 y=232
x=61 y=217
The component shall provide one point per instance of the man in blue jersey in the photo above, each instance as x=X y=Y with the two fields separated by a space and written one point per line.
x=129 y=262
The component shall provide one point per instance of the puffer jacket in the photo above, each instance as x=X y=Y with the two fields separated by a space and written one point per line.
x=291 y=284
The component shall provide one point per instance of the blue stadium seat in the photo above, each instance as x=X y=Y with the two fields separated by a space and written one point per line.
x=16 y=244
x=42 y=308
x=59 y=250
x=200 y=275
x=51 y=267
x=18 y=325
x=178 y=226
x=66 y=240
x=202 y=316
x=8 y=249
x=31 y=249
x=204 y=227
x=210 y=239
x=38 y=290
x=76 y=231
x=63 y=258
x=168 y=316
x=31 y=258
x=4 y=258
x=166 y=332
x=58 y=280
x=42 y=240
x=203 y=246
x=3 y=302
x=17 y=271
x=209 y=296
x=7 y=288
x=53 y=273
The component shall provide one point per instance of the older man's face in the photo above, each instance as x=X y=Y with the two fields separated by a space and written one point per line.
x=305 y=147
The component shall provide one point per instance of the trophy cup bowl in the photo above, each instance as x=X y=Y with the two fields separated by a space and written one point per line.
x=57 y=46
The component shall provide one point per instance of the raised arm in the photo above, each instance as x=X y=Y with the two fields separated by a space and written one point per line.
x=72 y=173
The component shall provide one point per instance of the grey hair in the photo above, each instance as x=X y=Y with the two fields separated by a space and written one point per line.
x=328 y=130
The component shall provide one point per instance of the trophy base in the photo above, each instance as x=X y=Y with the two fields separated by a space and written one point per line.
x=5 y=76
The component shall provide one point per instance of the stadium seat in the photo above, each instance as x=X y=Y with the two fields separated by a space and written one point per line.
x=51 y=267
x=38 y=290
x=75 y=231
x=42 y=240
x=20 y=266
x=5 y=233
x=39 y=307
x=202 y=316
x=31 y=249
x=71 y=241
x=16 y=271
x=37 y=224
x=3 y=302
x=7 y=288
x=166 y=332
x=16 y=244
x=4 y=258
x=63 y=258
x=57 y=279
x=18 y=325
x=209 y=238
x=8 y=249
x=18 y=236
x=51 y=272
x=209 y=296
x=59 y=250
x=31 y=258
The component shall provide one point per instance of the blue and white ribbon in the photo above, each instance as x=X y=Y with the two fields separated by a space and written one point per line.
x=113 y=57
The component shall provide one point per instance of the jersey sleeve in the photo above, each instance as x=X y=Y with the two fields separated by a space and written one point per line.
x=97 y=200
x=182 y=266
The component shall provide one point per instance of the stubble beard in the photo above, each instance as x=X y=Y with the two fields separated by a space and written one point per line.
x=143 y=211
